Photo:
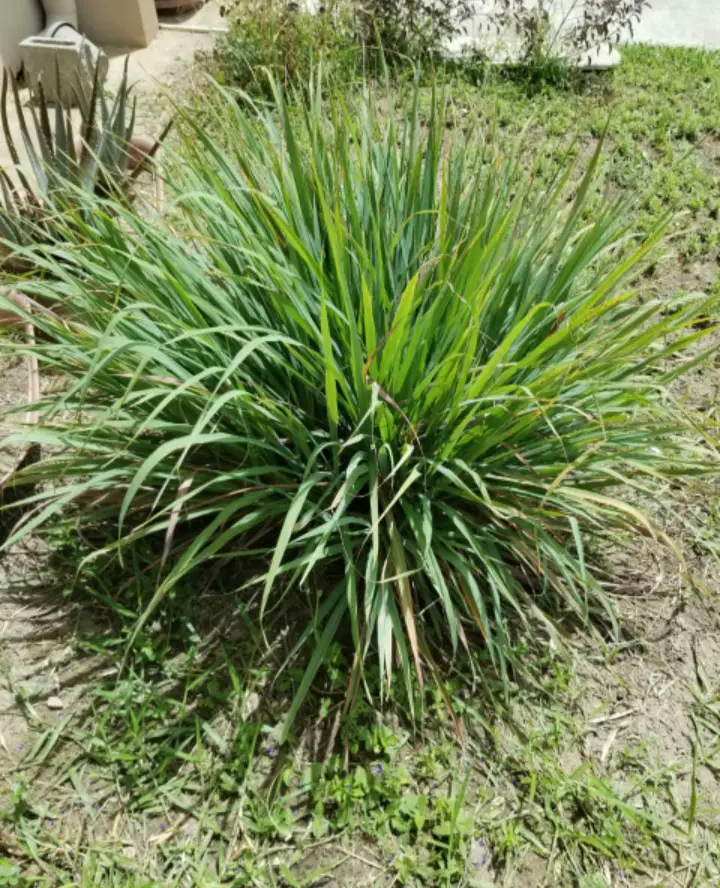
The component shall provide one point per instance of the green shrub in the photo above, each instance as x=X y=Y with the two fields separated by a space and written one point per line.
x=280 y=38
x=368 y=360
x=283 y=37
x=411 y=30
x=580 y=30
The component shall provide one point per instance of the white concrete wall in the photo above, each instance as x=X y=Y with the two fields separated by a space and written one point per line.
x=18 y=19
x=121 y=23
x=681 y=23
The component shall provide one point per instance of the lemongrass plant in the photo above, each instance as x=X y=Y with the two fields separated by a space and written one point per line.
x=376 y=361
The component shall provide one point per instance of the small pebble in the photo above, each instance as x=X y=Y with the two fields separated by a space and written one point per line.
x=54 y=703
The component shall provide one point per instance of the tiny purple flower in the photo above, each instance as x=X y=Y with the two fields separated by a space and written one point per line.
x=163 y=827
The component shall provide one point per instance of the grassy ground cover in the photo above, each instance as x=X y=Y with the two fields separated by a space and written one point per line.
x=660 y=107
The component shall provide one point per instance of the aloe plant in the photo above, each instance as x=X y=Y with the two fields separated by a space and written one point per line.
x=97 y=157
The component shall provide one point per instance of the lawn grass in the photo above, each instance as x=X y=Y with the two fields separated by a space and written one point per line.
x=661 y=108
x=171 y=774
